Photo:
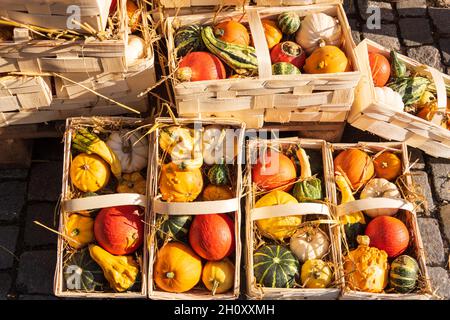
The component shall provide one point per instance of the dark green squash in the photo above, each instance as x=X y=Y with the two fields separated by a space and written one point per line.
x=174 y=227
x=188 y=39
x=289 y=22
x=404 y=274
x=275 y=266
x=82 y=273
x=219 y=175
x=309 y=188
x=283 y=68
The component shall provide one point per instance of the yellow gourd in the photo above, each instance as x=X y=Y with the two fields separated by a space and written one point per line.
x=327 y=59
x=132 y=183
x=272 y=33
x=89 y=172
x=366 y=268
x=213 y=192
x=280 y=227
x=218 y=276
x=316 y=273
x=120 y=271
x=80 y=230
x=180 y=185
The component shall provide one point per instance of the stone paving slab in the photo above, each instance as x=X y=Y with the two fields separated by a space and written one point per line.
x=5 y=283
x=12 y=198
x=45 y=181
x=36 y=271
x=433 y=246
x=34 y=234
x=8 y=241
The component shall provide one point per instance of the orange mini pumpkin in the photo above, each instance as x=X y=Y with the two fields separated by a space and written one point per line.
x=381 y=69
x=180 y=185
x=355 y=165
x=232 y=32
x=388 y=166
x=272 y=33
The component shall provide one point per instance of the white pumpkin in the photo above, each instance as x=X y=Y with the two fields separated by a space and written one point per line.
x=135 y=50
x=184 y=149
x=318 y=30
x=218 y=147
x=380 y=188
x=131 y=150
x=308 y=243
x=390 y=98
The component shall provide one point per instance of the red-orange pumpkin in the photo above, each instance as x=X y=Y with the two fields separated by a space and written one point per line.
x=273 y=170
x=119 y=230
x=380 y=67
x=212 y=236
x=388 y=234
x=198 y=66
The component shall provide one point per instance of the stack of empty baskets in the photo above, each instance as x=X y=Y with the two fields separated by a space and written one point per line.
x=314 y=104
x=61 y=58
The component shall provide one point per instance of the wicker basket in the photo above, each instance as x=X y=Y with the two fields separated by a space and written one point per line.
x=406 y=214
x=194 y=208
x=55 y=13
x=96 y=202
x=24 y=93
x=369 y=114
x=314 y=211
x=79 y=68
x=325 y=98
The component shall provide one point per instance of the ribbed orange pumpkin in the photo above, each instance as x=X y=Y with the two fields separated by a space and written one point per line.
x=177 y=268
x=180 y=185
x=388 y=166
x=355 y=165
x=232 y=32
x=273 y=170
x=381 y=69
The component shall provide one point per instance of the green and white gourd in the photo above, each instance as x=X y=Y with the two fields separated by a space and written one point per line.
x=283 y=68
x=289 y=23
x=188 y=39
x=404 y=274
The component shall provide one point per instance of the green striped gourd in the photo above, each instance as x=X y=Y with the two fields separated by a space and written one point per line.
x=281 y=68
x=410 y=88
x=289 y=22
x=275 y=266
x=398 y=66
x=242 y=59
x=218 y=175
x=175 y=227
x=90 y=274
x=188 y=39
x=404 y=274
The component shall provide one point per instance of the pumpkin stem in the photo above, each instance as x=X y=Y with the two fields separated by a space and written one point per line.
x=184 y=74
x=75 y=232
x=363 y=240
x=384 y=164
x=322 y=43
x=170 y=275
x=216 y=285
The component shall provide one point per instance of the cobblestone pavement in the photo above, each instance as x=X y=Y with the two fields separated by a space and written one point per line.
x=28 y=252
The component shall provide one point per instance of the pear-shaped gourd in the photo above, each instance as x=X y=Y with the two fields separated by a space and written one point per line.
x=308 y=188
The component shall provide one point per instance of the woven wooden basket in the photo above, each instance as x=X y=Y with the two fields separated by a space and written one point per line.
x=314 y=211
x=55 y=13
x=369 y=114
x=194 y=208
x=406 y=214
x=96 y=202
x=24 y=93
x=268 y=98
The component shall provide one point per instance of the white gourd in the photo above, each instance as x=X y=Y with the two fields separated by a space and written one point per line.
x=217 y=146
x=135 y=49
x=380 y=188
x=390 y=98
x=131 y=150
x=308 y=243
x=318 y=30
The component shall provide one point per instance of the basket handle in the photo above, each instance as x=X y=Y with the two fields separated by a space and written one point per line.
x=373 y=203
x=259 y=40
x=441 y=94
x=289 y=209
x=195 y=208
x=104 y=201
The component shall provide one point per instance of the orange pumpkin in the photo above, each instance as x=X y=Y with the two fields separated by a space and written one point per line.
x=388 y=166
x=272 y=33
x=180 y=185
x=274 y=170
x=428 y=110
x=381 y=69
x=232 y=32
x=355 y=165
x=134 y=15
x=213 y=193
x=177 y=268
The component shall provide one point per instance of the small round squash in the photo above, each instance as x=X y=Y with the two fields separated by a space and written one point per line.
x=232 y=32
x=388 y=166
x=316 y=273
x=213 y=193
x=327 y=59
x=177 y=268
x=89 y=172
x=218 y=276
